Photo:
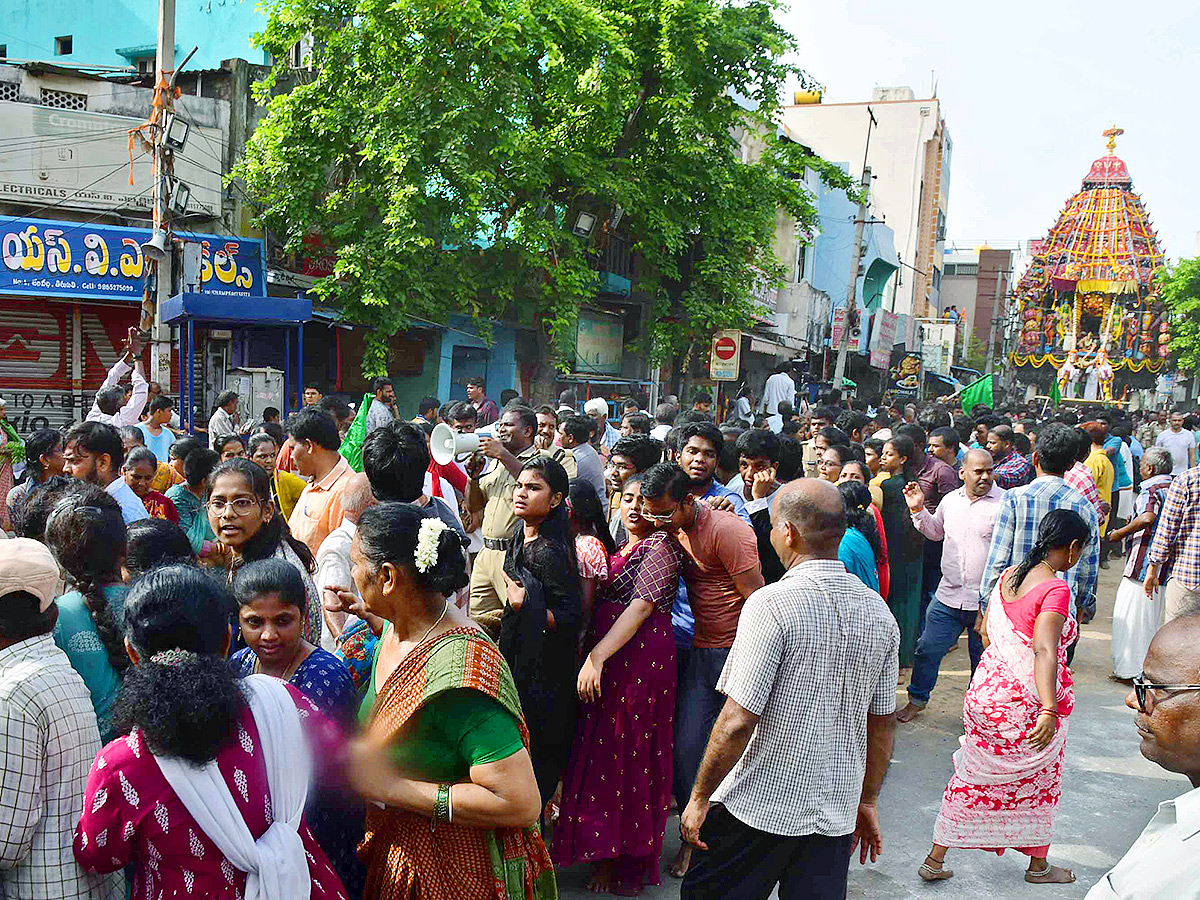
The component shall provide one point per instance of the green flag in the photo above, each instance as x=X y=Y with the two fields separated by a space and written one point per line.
x=352 y=445
x=977 y=392
x=1055 y=394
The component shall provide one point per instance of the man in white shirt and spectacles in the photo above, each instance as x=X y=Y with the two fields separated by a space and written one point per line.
x=1165 y=860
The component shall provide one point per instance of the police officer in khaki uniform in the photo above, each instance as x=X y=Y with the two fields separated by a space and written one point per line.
x=491 y=492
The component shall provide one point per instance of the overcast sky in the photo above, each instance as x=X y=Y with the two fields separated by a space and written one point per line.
x=1027 y=88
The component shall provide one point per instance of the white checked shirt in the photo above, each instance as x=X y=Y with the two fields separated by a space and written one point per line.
x=48 y=739
x=131 y=411
x=815 y=653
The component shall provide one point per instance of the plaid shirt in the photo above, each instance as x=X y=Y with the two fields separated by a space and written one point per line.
x=1016 y=530
x=818 y=632
x=49 y=738
x=1014 y=471
x=1177 y=538
x=1081 y=478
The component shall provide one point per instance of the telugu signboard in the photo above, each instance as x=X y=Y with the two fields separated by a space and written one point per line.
x=84 y=160
x=69 y=259
x=725 y=355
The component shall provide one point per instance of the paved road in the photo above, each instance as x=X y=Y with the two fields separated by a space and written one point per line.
x=1109 y=790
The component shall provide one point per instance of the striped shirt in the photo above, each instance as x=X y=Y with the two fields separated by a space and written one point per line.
x=1015 y=533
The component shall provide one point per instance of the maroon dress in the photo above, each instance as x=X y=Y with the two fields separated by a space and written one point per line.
x=617 y=787
x=132 y=816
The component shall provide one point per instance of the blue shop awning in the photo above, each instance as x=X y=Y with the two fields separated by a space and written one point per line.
x=235 y=310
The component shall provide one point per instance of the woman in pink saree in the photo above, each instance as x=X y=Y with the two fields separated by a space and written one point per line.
x=1008 y=770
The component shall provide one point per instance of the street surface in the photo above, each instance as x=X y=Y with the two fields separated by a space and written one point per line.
x=1109 y=791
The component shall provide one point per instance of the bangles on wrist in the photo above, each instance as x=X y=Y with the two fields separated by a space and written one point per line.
x=1049 y=712
x=441 y=804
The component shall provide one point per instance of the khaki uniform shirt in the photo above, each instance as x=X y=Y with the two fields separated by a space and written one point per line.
x=497 y=486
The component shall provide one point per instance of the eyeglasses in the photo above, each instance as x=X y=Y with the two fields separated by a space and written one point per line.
x=661 y=519
x=241 y=506
x=1142 y=689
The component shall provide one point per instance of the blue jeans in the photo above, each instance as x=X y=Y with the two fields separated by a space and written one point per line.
x=943 y=626
x=697 y=705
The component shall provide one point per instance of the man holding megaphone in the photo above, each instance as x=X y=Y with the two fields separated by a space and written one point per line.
x=492 y=471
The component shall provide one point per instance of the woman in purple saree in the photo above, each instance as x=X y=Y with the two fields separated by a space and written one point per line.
x=617 y=788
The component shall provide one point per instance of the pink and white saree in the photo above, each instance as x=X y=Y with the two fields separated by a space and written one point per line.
x=1003 y=793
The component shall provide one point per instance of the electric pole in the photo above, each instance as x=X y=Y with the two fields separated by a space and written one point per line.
x=991 y=350
x=839 y=369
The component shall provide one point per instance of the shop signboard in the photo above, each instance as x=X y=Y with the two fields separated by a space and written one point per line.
x=88 y=261
x=725 y=356
x=883 y=338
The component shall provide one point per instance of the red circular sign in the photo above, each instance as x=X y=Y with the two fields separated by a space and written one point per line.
x=726 y=348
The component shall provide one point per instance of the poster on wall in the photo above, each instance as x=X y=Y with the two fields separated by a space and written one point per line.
x=905 y=379
x=883 y=338
x=599 y=343
x=725 y=355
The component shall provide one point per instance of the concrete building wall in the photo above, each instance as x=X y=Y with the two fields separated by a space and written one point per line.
x=119 y=34
x=900 y=145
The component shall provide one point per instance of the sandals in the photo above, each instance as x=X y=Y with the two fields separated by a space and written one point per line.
x=929 y=873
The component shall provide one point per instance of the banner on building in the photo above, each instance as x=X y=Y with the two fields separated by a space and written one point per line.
x=938 y=345
x=599 y=343
x=84 y=160
x=835 y=336
x=725 y=356
x=905 y=380
x=883 y=338
x=68 y=259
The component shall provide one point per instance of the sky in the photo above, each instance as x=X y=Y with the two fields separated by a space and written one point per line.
x=1026 y=90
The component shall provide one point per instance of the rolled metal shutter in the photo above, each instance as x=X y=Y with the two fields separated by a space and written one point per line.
x=35 y=363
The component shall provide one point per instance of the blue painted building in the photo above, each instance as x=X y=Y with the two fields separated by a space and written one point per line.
x=81 y=33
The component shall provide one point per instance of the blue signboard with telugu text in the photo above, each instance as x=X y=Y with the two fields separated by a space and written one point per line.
x=89 y=261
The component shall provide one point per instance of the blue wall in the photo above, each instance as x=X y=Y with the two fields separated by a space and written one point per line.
x=221 y=29
x=501 y=362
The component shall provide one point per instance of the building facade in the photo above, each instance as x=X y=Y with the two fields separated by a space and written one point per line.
x=909 y=156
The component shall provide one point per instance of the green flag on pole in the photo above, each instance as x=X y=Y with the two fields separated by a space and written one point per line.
x=1055 y=394
x=977 y=392
x=351 y=448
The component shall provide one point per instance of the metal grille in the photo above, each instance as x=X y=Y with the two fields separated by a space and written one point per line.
x=10 y=90
x=63 y=99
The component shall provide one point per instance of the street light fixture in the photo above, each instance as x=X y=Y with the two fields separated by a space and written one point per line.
x=180 y=195
x=584 y=225
x=175 y=134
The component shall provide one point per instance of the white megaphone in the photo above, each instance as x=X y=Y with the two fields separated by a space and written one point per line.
x=445 y=444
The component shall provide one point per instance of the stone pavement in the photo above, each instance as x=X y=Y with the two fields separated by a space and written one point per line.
x=1109 y=791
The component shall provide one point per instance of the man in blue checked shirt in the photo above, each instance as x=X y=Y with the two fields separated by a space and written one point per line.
x=1022 y=511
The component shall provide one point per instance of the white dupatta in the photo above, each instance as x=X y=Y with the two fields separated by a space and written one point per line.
x=275 y=865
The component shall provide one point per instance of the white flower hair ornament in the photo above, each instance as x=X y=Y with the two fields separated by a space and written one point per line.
x=428 y=538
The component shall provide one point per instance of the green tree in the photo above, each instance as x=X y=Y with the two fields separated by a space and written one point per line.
x=1179 y=288
x=446 y=149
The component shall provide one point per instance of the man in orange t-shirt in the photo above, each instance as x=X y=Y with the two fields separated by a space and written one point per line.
x=314 y=441
x=721 y=569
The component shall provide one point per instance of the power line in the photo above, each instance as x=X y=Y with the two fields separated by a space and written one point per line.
x=69 y=196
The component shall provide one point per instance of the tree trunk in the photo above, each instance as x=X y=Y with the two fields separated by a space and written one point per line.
x=541 y=386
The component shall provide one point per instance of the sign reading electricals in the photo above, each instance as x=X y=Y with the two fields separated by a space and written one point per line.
x=89 y=261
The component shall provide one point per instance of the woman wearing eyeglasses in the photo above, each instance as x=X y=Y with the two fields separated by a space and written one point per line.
x=244 y=520
x=1008 y=770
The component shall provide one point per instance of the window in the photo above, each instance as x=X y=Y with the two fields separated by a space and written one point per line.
x=10 y=90
x=146 y=65
x=63 y=99
x=3 y=51
x=63 y=46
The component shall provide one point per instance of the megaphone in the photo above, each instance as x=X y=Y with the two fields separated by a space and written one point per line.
x=156 y=247
x=445 y=444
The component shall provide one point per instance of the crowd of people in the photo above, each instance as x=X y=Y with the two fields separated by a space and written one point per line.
x=249 y=663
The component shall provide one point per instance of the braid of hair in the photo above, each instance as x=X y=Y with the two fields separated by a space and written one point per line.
x=1036 y=554
x=106 y=624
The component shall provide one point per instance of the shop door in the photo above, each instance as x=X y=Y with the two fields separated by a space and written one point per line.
x=466 y=362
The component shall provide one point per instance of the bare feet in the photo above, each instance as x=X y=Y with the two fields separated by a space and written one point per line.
x=934 y=870
x=909 y=712
x=683 y=859
x=601 y=880
x=1049 y=875
x=905 y=671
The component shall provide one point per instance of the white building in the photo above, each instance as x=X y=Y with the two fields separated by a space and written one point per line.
x=909 y=157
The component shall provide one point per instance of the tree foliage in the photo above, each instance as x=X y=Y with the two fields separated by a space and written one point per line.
x=445 y=149
x=1179 y=288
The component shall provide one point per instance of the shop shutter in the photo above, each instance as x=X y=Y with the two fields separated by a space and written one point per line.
x=35 y=363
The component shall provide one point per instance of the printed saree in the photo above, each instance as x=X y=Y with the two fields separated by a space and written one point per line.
x=409 y=855
x=1003 y=793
